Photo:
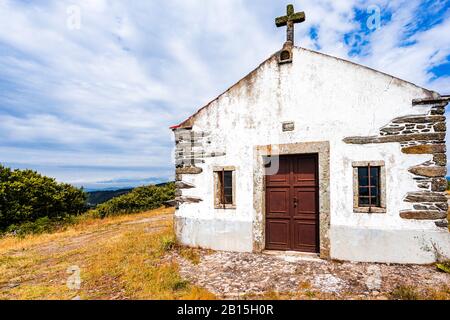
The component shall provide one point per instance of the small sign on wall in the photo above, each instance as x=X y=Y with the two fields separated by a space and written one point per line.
x=288 y=126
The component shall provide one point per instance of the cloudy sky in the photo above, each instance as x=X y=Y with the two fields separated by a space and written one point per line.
x=89 y=88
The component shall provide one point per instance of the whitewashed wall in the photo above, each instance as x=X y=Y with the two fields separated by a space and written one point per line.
x=328 y=99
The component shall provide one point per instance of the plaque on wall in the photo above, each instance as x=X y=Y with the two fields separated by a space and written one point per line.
x=288 y=126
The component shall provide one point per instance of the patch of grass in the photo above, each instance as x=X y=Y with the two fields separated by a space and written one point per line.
x=440 y=294
x=190 y=254
x=310 y=294
x=305 y=285
x=444 y=266
x=137 y=264
x=84 y=224
x=271 y=295
x=168 y=243
x=42 y=225
x=405 y=293
x=124 y=262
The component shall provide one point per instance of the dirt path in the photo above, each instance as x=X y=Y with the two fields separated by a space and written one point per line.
x=152 y=224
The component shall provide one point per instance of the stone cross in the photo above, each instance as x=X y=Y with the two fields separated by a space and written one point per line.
x=289 y=20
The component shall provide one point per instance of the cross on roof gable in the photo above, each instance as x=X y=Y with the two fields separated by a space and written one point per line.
x=289 y=20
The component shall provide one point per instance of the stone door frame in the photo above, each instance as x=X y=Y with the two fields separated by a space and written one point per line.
x=322 y=149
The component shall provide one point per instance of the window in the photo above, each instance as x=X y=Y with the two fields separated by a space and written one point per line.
x=224 y=181
x=369 y=187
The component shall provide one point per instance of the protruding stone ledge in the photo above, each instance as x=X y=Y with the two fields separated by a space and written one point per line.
x=439 y=206
x=398 y=138
x=189 y=170
x=180 y=200
x=423 y=215
x=440 y=101
x=418 y=197
x=419 y=119
x=171 y=203
x=184 y=185
x=425 y=149
x=430 y=172
x=442 y=224
x=188 y=200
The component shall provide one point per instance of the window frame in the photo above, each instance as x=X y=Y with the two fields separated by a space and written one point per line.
x=382 y=187
x=218 y=190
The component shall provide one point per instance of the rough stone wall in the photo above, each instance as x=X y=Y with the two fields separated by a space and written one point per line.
x=191 y=149
x=421 y=134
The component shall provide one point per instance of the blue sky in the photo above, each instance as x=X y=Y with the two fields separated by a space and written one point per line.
x=92 y=105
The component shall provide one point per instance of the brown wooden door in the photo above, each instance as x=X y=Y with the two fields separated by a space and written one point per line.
x=292 y=214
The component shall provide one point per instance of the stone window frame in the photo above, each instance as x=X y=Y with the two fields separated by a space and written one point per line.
x=382 y=207
x=217 y=204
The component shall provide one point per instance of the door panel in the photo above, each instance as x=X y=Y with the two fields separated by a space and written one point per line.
x=306 y=201
x=278 y=234
x=282 y=178
x=278 y=202
x=304 y=170
x=304 y=236
x=292 y=205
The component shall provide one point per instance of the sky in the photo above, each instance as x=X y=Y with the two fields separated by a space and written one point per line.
x=89 y=88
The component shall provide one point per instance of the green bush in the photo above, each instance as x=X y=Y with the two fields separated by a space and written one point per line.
x=138 y=200
x=26 y=196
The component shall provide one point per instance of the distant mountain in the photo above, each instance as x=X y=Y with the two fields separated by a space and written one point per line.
x=98 y=197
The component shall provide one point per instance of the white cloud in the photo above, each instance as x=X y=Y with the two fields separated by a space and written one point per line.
x=105 y=95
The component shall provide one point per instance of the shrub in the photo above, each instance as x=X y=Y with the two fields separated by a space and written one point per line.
x=140 y=199
x=41 y=225
x=26 y=196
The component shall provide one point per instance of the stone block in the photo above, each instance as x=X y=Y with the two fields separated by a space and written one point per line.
x=423 y=215
x=425 y=149
x=431 y=172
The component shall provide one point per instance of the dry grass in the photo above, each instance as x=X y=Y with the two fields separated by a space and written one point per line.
x=117 y=260
x=413 y=293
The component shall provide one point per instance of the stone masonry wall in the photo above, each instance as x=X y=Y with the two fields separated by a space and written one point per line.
x=421 y=134
x=191 y=149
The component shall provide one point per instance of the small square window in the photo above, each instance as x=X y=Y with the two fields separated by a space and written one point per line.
x=369 y=187
x=224 y=179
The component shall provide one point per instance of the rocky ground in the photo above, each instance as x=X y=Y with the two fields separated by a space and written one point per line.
x=243 y=275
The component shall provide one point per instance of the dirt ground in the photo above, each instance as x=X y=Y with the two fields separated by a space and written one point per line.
x=134 y=257
x=243 y=275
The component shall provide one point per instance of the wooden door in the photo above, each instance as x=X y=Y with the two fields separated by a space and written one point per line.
x=292 y=213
